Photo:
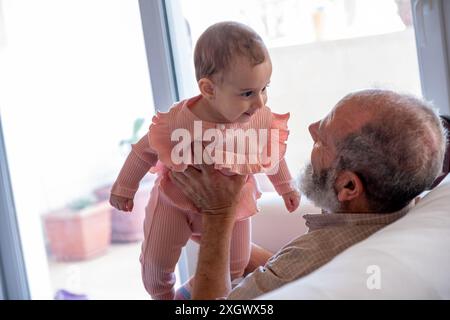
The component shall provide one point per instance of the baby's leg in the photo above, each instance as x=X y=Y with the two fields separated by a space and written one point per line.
x=240 y=248
x=166 y=232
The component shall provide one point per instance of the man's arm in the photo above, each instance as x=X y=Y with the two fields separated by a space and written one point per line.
x=215 y=195
x=212 y=277
x=258 y=256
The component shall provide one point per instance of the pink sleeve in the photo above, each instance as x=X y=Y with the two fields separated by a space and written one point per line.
x=137 y=164
x=282 y=179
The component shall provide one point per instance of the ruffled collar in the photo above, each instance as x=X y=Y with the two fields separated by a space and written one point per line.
x=190 y=116
x=180 y=116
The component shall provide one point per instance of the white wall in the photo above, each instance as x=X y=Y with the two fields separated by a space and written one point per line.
x=309 y=79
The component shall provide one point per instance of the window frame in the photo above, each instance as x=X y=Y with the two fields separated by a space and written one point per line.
x=159 y=48
x=13 y=276
x=433 y=50
x=159 y=51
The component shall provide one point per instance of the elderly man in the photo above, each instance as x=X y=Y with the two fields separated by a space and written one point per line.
x=372 y=155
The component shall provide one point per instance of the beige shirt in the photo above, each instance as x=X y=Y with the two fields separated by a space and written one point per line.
x=329 y=234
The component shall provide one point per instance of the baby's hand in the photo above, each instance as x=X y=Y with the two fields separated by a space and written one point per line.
x=291 y=200
x=121 y=203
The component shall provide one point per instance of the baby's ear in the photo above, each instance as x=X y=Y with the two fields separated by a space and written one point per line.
x=206 y=87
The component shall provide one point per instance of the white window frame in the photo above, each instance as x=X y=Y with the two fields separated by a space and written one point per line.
x=160 y=59
x=13 y=277
x=432 y=28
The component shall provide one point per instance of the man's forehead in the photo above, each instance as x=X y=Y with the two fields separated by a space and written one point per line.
x=345 y=118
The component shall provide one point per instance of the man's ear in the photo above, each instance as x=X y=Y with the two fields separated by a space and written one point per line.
x=206 y=87
x=348 y=186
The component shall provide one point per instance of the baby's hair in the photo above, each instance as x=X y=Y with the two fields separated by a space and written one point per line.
x=221 y=43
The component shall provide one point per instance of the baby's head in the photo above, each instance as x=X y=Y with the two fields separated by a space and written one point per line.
x=233 y=69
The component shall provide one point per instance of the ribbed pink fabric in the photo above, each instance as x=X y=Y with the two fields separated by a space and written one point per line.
x=171 y=218
x=167 y=231
x=157 y=145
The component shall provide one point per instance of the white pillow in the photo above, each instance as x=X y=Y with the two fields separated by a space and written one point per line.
x=409 y=259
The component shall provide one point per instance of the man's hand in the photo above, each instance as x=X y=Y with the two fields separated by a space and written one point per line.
x=291 y=200
x=215 y=195
x=208 y=189
x=121 y=203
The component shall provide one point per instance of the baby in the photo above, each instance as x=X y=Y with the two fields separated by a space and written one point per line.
x=233 y=70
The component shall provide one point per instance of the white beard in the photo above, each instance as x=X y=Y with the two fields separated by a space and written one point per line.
x=319 y=188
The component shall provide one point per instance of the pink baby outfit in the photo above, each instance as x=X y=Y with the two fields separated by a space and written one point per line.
x=171 y=218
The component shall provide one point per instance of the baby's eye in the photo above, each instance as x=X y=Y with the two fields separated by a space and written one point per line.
x=247 y=94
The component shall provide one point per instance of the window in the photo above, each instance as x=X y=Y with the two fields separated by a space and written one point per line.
x=74 y=79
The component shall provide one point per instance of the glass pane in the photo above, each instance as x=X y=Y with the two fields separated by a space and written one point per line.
x=321 y=50
x=74 y=79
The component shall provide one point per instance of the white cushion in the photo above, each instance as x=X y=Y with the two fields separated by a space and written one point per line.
x=411 y=259
x=276 y=220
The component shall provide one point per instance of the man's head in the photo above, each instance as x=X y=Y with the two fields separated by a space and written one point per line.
x=233 y=69
x=374 y=152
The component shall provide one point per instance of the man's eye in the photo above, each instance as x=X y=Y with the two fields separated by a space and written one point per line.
x=247 y=94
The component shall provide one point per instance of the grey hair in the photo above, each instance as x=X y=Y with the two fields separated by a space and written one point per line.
x=399 y=153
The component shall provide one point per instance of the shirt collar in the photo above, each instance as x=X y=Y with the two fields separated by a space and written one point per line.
x=326 y=220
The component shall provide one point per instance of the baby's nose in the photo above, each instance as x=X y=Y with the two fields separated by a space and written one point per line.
x=259 y=103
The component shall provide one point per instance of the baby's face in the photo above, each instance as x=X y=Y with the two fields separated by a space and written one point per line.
x=243 y=90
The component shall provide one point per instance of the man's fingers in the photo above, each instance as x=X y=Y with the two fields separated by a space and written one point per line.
x=192 y=172
x=179 y=177
x=182 y=180
x=240 y=179
x=186 y=185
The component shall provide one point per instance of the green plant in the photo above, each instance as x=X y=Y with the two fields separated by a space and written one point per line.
x=137 y=125
x=81 y=203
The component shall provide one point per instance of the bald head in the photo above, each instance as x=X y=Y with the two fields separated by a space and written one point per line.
x=397 y=149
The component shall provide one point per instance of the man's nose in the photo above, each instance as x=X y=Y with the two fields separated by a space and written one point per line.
x=313 y=127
